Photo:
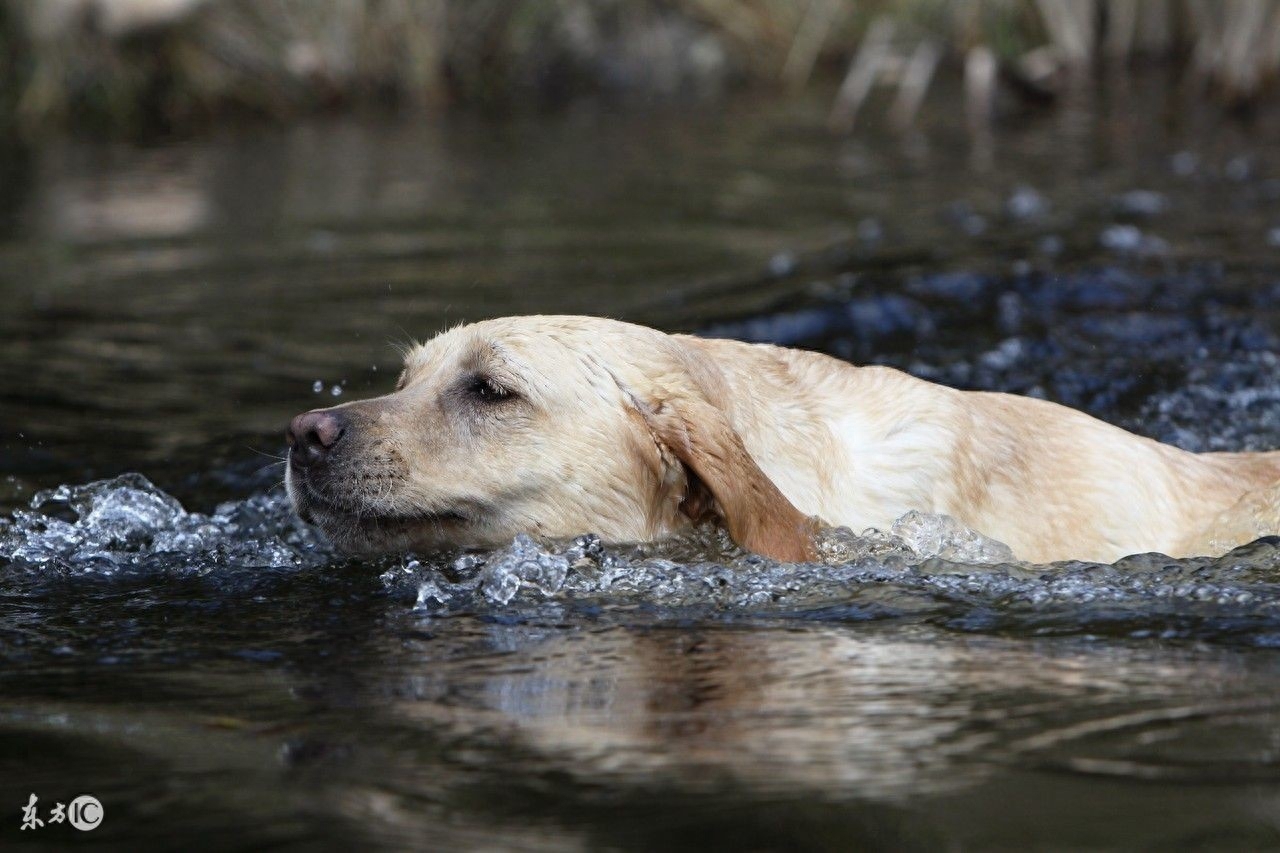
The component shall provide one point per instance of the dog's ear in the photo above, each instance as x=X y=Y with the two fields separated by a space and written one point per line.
x=723 y=478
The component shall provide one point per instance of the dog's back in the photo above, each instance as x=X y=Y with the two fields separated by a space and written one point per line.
x=859 y=446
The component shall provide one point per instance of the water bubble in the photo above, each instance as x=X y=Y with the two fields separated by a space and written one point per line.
x=1239 y=168
x=1026 y=203
x=523 y=563
x=1130 y=240
x=1184 y=163
x=933 y=535
x=430 y=597
x=1121 y=238
x=870 y=231
x=1050 y=245
x=1003 y=357
x=781 y=264
x=962 y=215
x=1141 y=203
x=317 y=386
x=336 y=390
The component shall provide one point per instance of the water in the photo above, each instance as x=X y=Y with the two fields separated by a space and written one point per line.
x=177 y=644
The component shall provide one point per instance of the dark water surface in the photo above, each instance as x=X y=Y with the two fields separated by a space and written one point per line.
x=177 y=645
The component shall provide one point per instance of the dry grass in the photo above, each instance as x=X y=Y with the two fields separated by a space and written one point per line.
x=123 y=63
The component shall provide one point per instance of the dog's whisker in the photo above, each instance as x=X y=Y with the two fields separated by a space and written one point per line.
x=268 y=467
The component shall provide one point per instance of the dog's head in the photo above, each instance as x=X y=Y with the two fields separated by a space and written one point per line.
x=554 y=426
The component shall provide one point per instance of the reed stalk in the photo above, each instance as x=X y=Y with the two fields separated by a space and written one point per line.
x=122 y=62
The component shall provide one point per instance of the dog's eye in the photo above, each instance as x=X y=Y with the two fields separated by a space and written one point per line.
x=486 y=389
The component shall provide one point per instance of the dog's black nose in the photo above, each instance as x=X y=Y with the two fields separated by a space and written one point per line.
x=313 y=434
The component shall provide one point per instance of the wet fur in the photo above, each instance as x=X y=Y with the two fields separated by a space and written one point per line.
x=635 y=435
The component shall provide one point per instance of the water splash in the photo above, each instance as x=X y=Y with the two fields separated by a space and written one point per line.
x=925 y=567
x=127 y=525
x=1233 y=598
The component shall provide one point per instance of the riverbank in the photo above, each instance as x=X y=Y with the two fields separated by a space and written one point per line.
x=135 y=65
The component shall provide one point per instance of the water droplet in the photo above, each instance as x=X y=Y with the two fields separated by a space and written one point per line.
x=1184 y=163
x=1239 y=168
x=336 y=390
x=1026 y=203
x=1051 y=245
x=1141 y=203
x=317 y=386
x=783 y=263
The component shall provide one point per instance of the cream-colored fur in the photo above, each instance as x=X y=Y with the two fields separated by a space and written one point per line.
x=558 y=426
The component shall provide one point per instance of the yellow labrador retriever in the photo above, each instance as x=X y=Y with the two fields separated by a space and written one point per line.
x=558 y=426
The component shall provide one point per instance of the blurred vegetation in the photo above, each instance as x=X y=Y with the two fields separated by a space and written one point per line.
x=130 y=64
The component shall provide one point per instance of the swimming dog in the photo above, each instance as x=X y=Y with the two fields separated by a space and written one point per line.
x=562 y=425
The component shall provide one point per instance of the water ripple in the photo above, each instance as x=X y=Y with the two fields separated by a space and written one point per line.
x=925 y=568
